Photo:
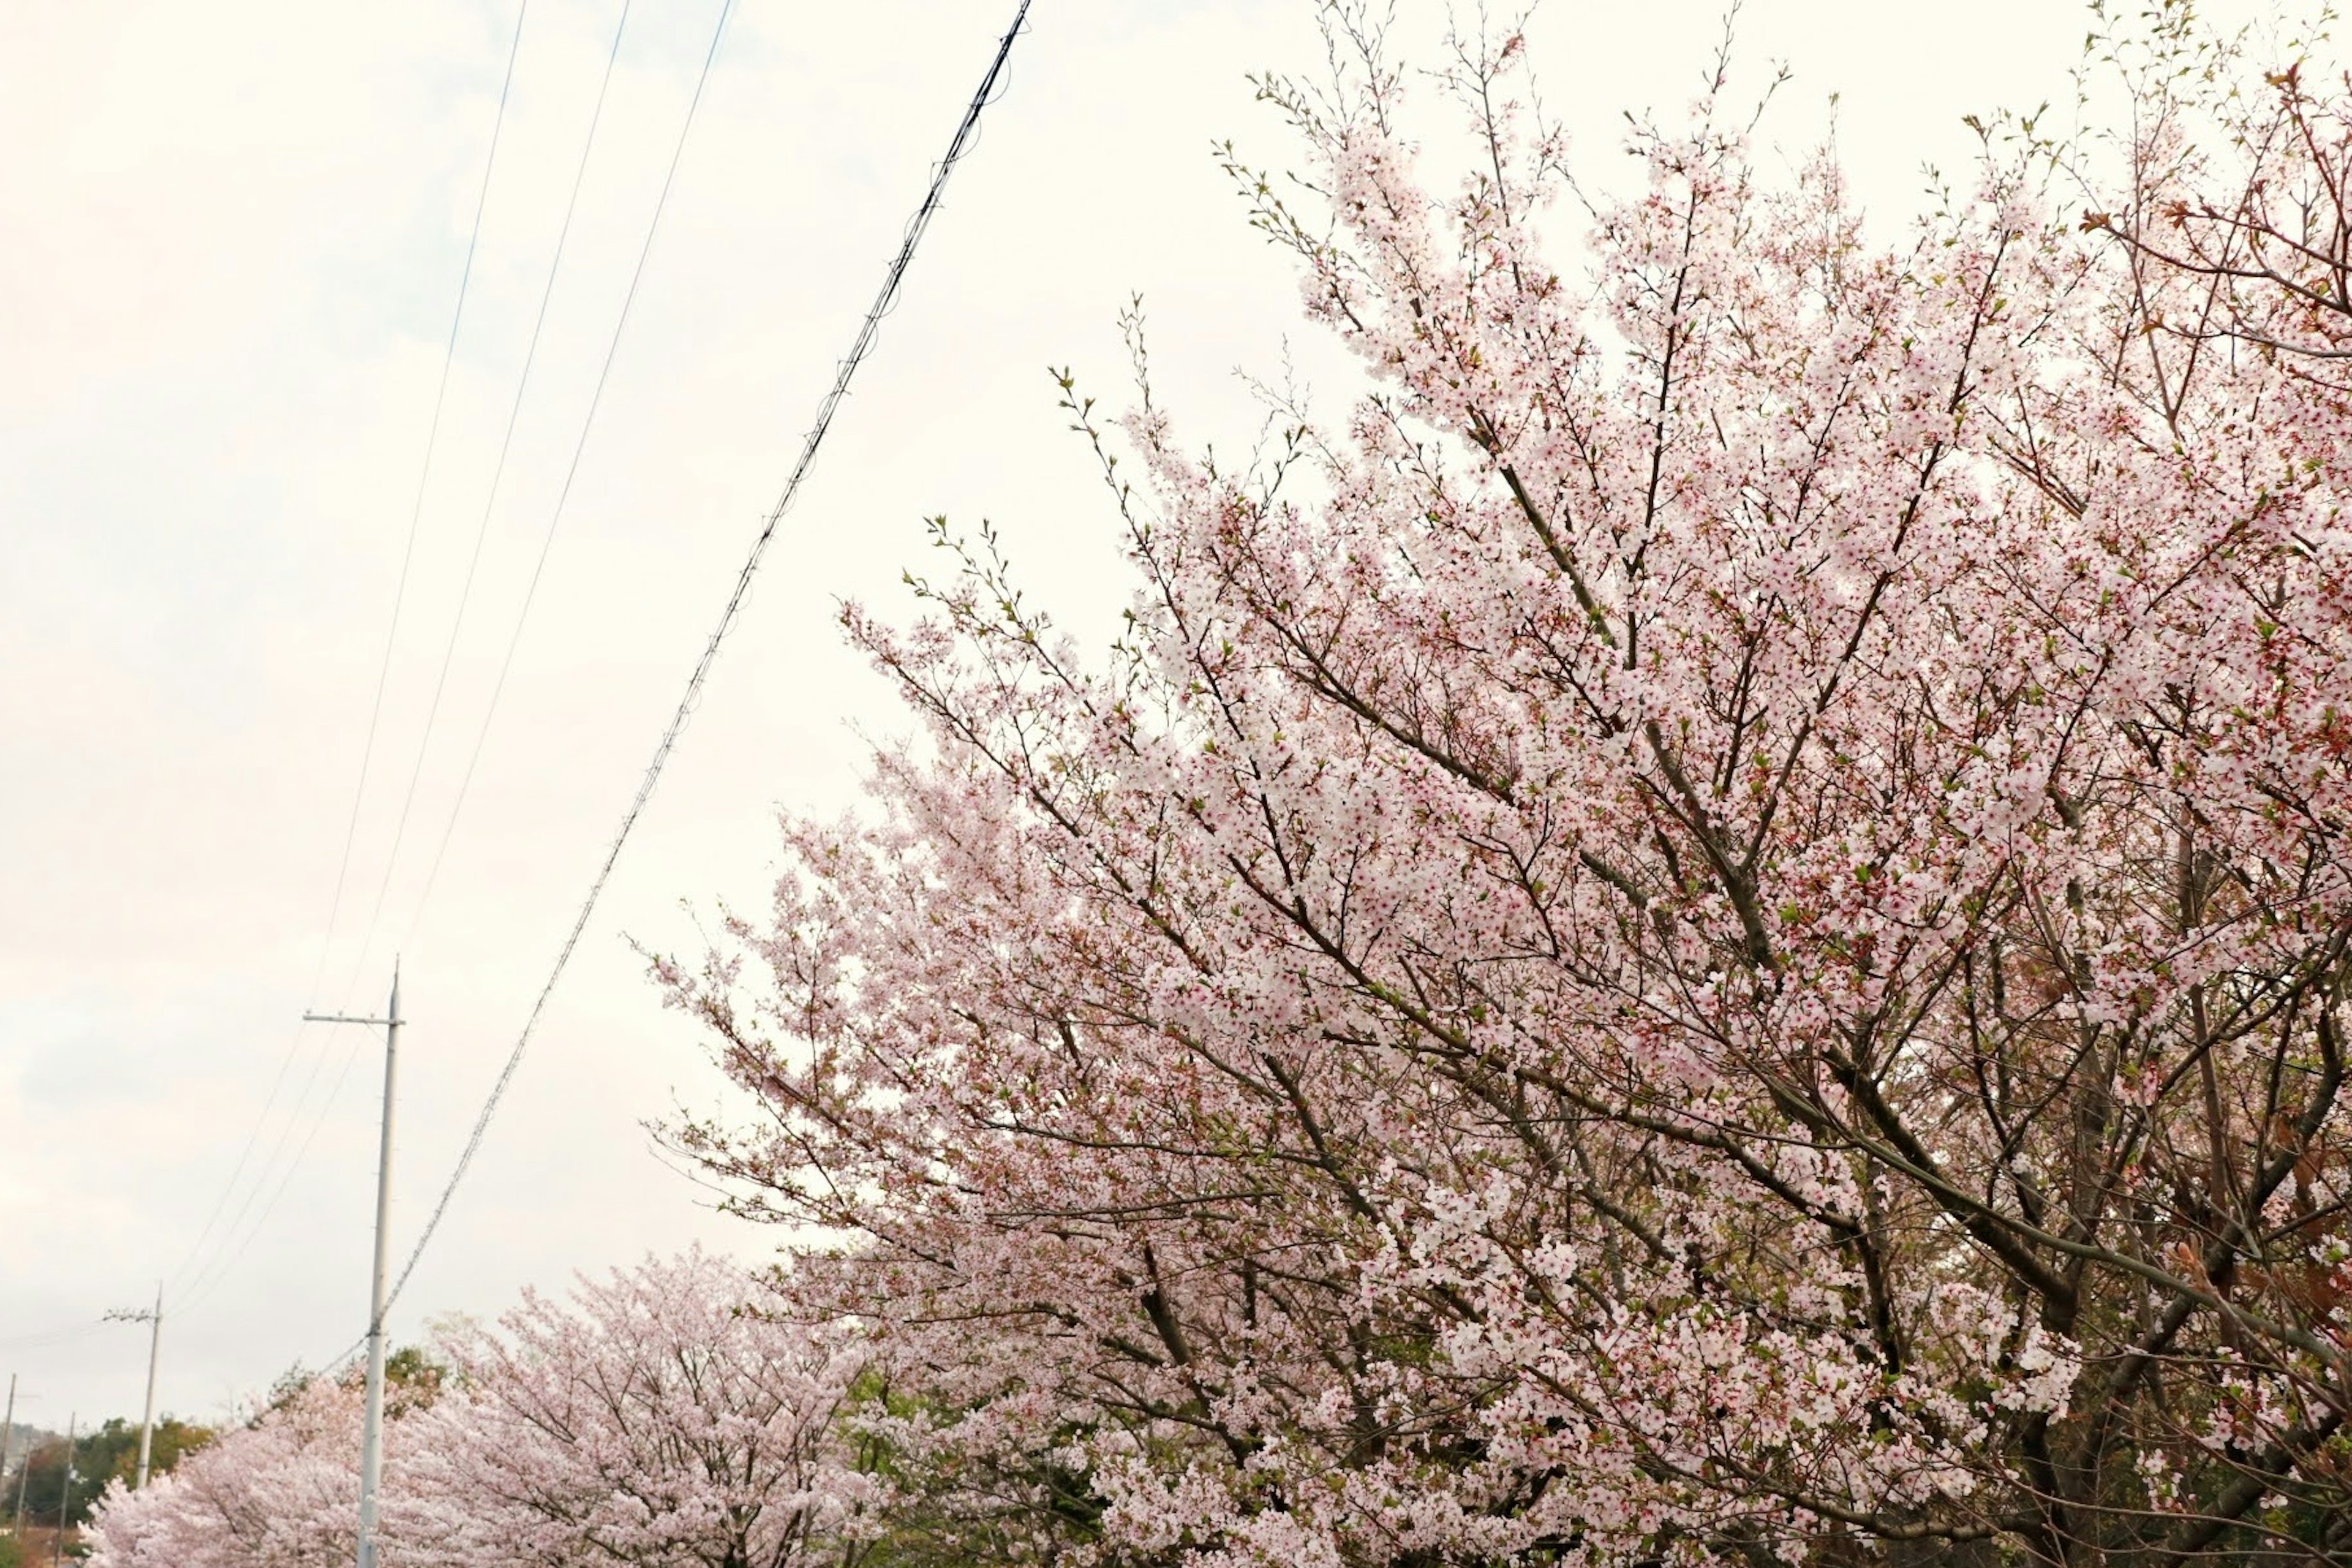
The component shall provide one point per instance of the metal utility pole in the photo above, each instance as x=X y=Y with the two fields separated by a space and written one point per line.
x=8 y=1429
x=154 y=1320
x=23 y=1480
x=65 y=1496
x=372 y=1438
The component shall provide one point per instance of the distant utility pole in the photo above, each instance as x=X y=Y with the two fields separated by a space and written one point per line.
x=372 y=1438
x=65 y=1495
x=154 y=1320
x=8 y=1429
x=23 y=1480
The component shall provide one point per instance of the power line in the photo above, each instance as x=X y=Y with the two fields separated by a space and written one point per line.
x=253 y=1138
x=858 y=349
x=432 y=440
x=225 y=1264
x=233 y=1248
x=46 y=1337
x=201 y=1290
x=231 y=1244
x=226 y=1261
x=261 y=1174
x=497 y=475
x=384 y=667
x=563 y=495
x=514 y=412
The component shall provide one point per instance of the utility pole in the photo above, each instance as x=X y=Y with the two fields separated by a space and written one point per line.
x=23 y=1480
x=65 y=1496
x=372 y=1438
x=8 y=1429
x=154 y=1320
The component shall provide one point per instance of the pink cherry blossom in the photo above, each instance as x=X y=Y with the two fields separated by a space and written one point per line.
x=673 y=1416
x=665 y=1417
x=279 y=1491
x=1712 y=926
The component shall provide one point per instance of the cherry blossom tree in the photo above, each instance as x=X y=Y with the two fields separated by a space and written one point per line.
x=1713 y=927
x=280 y=1492
x=667 y=1417
x=673 y=1416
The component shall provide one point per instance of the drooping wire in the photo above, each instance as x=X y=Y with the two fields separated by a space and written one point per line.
x=238 y=1234
x=382 y=678
x=859 y=346
x=41 y=1339
x=498 y=474
x=571 y=472
x=223 y=1265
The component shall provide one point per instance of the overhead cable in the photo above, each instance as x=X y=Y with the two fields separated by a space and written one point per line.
x=497 y=475
x=384 y=672
x=570 y=472
x=226 y=1261
x=223 y=1264
x=859 y=346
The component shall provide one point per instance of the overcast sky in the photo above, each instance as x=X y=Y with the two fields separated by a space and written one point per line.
x=230 y=241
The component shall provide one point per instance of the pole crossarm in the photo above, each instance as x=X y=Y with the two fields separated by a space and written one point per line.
x=371 y=1433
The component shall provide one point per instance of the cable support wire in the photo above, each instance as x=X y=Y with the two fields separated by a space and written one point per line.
x=375 y=710
x=858 y=349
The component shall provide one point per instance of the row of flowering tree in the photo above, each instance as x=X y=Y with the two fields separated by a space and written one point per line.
x=1714 y=927
x=670 y=1415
